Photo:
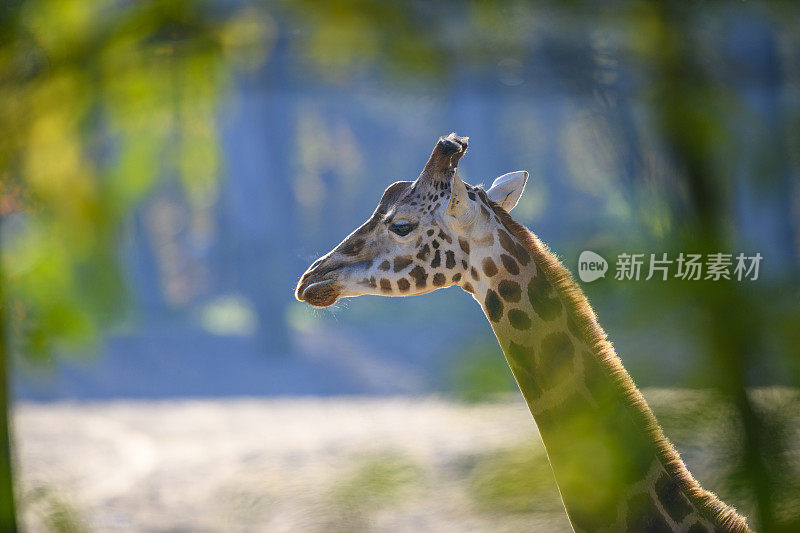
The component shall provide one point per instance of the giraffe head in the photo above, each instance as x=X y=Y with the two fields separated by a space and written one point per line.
x=419 y=237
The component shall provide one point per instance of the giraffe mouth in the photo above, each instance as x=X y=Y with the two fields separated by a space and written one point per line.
x=320 y=293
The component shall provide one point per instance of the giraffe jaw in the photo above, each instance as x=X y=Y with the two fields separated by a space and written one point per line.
x=320 y=293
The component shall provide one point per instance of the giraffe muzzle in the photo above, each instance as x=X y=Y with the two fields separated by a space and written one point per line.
x=321 y=293
x=325 y=280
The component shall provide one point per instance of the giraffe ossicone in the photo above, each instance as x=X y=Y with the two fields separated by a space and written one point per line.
x=613 y=466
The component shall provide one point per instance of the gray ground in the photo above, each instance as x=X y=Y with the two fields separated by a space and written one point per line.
x=344 y=464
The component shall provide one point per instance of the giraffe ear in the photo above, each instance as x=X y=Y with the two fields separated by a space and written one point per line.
x=459 y=206
x=506 y=190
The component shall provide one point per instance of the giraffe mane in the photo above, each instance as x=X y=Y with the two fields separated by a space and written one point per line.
x=577 y=305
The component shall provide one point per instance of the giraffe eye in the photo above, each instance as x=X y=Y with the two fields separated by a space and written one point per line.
x=401 y=227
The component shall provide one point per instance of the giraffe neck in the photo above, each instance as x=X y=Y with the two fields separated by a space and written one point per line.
x=613 y=466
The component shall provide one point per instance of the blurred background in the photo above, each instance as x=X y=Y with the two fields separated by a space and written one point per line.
x=170 y=168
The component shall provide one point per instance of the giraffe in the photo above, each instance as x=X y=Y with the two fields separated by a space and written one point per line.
x=614 y=468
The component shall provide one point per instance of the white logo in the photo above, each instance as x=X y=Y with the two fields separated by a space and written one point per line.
x=591 y=266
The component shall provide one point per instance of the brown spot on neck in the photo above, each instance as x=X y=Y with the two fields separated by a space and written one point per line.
x=510 y=290
x=673 y=501
x=513 y=247
x=556 y=357
x=488 y=266
x=510 y=265
x=494 y=307
x=519 y=319
x=543 y=298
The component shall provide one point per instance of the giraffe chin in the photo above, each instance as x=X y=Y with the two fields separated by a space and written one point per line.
x=321 y=294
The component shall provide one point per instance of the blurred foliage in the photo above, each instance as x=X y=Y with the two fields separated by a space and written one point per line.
x=708 y=429
x=102 y=100
x=695 y=113
x=52 y=511
x=379 y=480
x=346 y=38
x=518 y=480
